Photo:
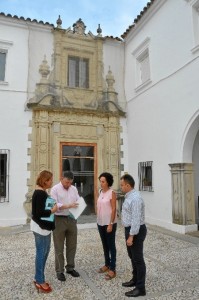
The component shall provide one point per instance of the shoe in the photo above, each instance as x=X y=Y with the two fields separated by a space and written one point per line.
x=136 y=292
x=73 y=273
x=129 y=283
x=61 y=277
x=110 y=275
x=103 y=269
x=34 y=281
x=42 y=289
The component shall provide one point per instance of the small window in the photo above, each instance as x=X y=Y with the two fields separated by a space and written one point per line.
x=144 y=72
x=195 y=11
x=145 y=176
x=4 y=172
x=142 y=61
x=194 y=4
x=78 y=72
x=2 y=65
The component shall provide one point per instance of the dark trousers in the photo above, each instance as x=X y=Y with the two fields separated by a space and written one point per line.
x=65 y=233
x=108 y=243
x=135 y=253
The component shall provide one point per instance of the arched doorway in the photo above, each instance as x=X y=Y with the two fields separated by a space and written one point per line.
x=190 y=153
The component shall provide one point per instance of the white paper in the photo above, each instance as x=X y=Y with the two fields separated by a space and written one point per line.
x=76 y=212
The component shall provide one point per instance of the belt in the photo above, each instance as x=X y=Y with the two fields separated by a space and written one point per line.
x=62 y=216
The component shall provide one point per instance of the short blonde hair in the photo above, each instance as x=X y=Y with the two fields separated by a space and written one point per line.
x=43 y=177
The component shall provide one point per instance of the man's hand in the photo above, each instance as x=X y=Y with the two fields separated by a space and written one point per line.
x=129 y=241
x=74 y=205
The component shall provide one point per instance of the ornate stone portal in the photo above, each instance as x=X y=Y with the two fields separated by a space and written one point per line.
x=73 y=114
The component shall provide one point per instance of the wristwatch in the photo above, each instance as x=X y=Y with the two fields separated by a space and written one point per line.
x=111 y=223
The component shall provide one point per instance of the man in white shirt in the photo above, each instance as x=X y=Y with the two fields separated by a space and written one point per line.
x=66 y=196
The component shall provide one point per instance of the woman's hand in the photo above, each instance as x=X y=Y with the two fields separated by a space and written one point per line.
x=54 y=209
x=109 y=228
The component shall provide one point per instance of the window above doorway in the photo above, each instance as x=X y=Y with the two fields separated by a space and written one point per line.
x=78 y=72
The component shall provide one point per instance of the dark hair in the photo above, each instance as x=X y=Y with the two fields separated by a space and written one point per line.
x=43 y=177
x=128 y=179
x=109 y=178
x=68 y=175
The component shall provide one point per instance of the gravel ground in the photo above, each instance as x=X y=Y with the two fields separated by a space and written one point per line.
x=172 y=267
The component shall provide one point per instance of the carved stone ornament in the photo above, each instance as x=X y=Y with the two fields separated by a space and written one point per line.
x=28 y=206
x=79 y=27
x=44 y=70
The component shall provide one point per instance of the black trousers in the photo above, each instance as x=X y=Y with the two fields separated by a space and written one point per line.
x=108 y=243
x=135 y=253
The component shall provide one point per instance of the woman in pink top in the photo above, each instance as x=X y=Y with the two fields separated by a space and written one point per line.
x=106 y=222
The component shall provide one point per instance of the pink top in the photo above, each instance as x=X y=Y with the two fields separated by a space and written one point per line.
x=104 y=208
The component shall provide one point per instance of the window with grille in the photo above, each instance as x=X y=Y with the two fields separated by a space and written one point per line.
x=2 y=65
x=145 y=176
x=4 y=175
x=78 y=72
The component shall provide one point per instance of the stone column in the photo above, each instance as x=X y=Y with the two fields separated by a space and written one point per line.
x=183 y=206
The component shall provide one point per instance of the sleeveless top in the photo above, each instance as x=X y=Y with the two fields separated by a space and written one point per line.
x=104 y=208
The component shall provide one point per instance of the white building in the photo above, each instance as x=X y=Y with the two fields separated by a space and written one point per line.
x=154 y=70
x=22 y=45
x=162 y=93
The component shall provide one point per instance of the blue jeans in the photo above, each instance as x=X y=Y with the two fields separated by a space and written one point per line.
x=108 y=243
x=42 y=243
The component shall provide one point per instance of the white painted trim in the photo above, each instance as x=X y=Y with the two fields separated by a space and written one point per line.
x=171 y=226
x=12 y=222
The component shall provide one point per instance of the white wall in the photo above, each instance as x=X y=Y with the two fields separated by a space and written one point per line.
x=159 y=113
x=21 y=74
x=113 y=57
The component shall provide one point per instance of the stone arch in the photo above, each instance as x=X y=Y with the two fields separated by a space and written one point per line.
x=189 y=136
x=190 y=154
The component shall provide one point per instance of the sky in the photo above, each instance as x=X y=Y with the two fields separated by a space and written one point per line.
x=114 y=16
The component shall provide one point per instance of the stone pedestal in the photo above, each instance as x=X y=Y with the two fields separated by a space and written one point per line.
x=183 y=204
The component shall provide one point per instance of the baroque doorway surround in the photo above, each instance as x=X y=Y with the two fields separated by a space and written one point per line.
x=87 y=114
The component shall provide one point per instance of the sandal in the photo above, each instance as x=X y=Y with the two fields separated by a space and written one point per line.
x=110 y=275
x=103 y=269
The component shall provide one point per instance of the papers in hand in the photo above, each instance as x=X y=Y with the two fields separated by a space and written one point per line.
x=50 y=202
x=77 y=211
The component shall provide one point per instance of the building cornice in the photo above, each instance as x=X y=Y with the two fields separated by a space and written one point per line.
x=143 y=18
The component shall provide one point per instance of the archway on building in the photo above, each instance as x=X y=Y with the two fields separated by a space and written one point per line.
x=190 y=153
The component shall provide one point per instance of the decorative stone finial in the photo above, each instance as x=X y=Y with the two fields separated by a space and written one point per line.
x=110 y=81
x=99 y=30
x=79 y=27
x=44 y=70
x=59 y=22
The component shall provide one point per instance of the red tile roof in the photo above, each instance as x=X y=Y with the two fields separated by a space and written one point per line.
x=136 y=20
x=23 y=19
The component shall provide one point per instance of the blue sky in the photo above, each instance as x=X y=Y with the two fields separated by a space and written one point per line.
x=114 y=16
